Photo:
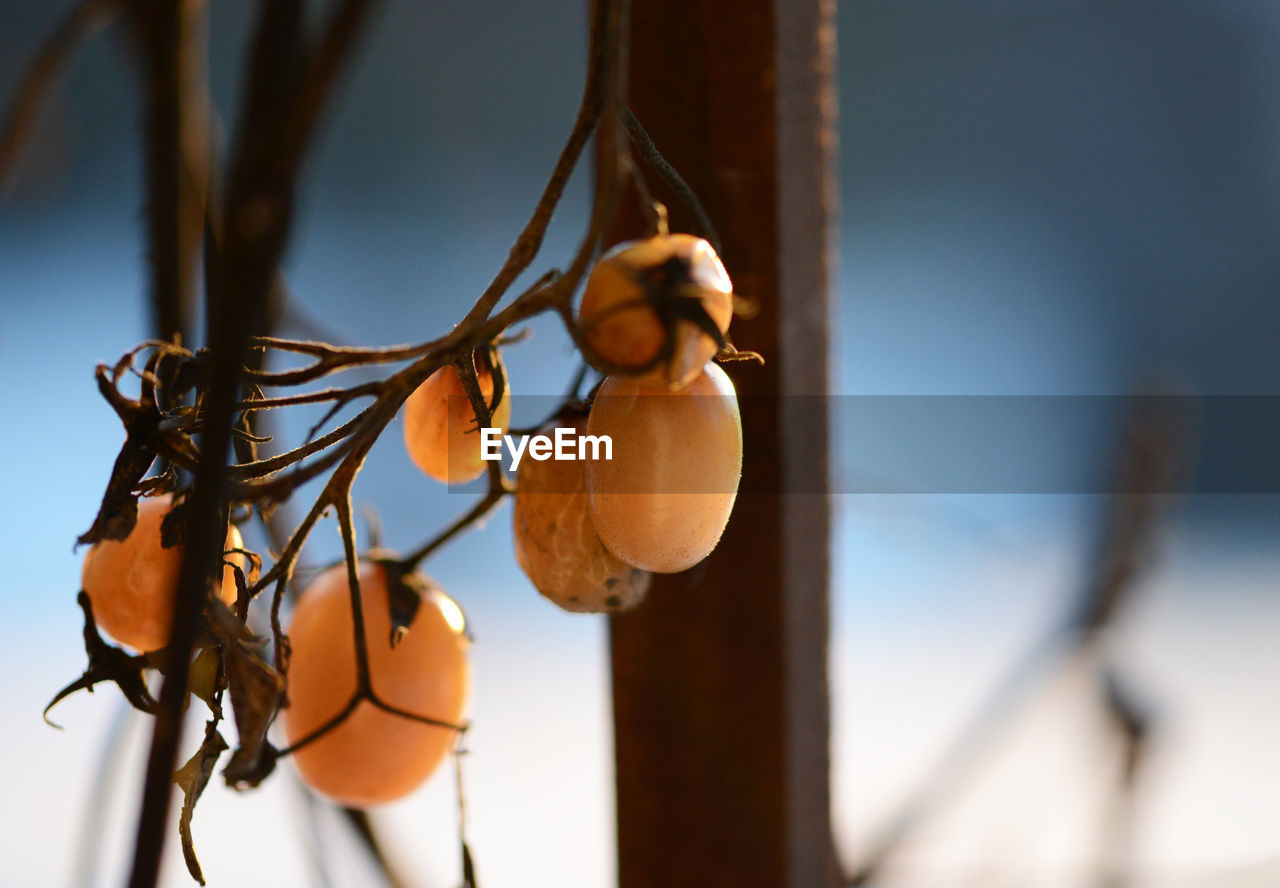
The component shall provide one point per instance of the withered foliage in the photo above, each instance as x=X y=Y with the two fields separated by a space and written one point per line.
x=192 y=779
x=107 y=663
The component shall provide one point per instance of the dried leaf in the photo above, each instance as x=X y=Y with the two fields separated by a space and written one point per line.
x=245 y=771
x=206 y=678
x=245 y=580
x=256 y=693
x=165 y=482
x=192 y=778
x=173 y=527
x=119 y=510
x=107 y=663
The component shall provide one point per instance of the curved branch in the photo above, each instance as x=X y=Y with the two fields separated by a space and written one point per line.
x=653 y=157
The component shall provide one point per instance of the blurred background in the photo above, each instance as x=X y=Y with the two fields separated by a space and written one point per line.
x=1059 y=197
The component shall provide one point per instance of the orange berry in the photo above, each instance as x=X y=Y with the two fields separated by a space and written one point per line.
x=635 y=286
x=132 y=583
x=556 y=543
x=373 y=756
x=440 y=429
x=663 y=501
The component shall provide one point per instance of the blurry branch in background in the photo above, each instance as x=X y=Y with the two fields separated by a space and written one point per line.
x=177 y=148
x=88 y=851
x=38 y=83
x=1133 y=723
x=314 y=846
x=359 y=821
x=1148 y=469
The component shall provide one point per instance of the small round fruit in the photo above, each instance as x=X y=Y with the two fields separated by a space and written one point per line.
x=632 y=299
x=132 y=583
x=440 y=430
x=664 y=499
x=373 y=756
x=556 y=542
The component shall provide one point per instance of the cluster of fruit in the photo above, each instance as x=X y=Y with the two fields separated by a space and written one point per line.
x=587 y=533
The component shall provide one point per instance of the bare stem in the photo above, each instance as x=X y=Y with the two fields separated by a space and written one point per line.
x=483 y=507
x=660 y=165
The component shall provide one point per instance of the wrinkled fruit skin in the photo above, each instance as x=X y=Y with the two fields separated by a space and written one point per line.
x=634 y=336
x=665 y=498
x=132 y=583
x=440 y=427
x=556 y=542
x=373 y=756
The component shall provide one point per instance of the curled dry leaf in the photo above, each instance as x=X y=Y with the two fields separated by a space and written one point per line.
x=257 y=691
x=173 y=527
x=107 y=663
x=192 y=778
x=119 y=509
x=206 y=679
x=163 y=482
x=245 y=567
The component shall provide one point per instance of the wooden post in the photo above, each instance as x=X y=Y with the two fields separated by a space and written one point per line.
x=720 y=679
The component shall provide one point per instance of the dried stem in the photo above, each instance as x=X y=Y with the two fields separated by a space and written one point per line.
x=494 y=495
x=660 y=165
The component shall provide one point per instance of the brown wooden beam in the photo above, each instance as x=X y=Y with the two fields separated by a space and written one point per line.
x=720 y=679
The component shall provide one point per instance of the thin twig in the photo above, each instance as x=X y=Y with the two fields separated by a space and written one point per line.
x=660 y=165
x=604 y=67
x=477 y=512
